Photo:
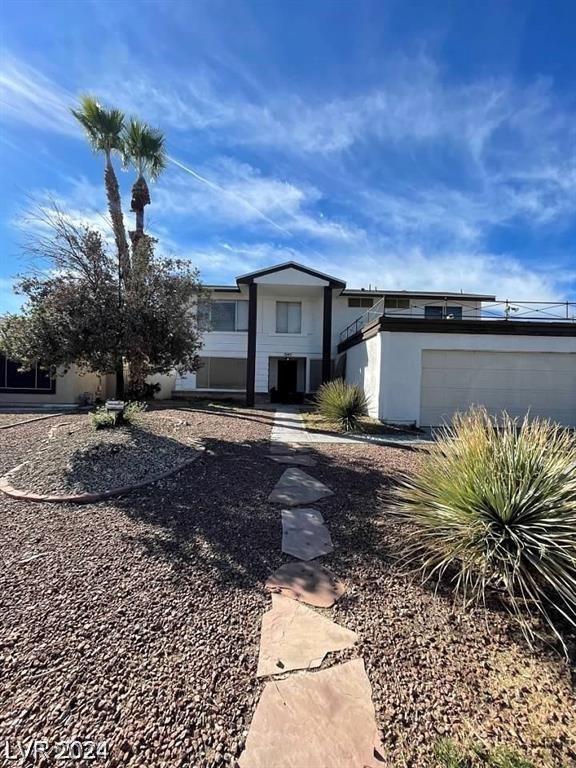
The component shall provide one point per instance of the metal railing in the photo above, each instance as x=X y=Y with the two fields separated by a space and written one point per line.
x=449 y=310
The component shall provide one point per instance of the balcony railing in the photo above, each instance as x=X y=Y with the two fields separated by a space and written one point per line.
x=450 y=311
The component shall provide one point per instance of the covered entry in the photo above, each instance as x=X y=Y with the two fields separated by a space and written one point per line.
x=287 y=379
x=543 y=383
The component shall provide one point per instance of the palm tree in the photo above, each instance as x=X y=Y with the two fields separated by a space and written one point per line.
x=104 y=129
x=143 y=149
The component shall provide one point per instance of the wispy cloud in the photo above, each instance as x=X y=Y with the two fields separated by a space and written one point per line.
x=29 y=97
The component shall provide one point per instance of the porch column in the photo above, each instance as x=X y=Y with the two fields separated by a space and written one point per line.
x=251 y=354
x=327 y=335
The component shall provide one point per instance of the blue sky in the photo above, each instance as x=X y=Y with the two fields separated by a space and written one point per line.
x=418 y=145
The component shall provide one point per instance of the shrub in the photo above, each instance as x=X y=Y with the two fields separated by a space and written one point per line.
x=133 y=410
x=342 y=404
x=102 y=419
x=450 y=755
x=147 y=392
x=494 y=505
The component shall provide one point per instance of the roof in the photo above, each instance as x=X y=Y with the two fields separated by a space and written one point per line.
x=249 y=278
x=336 y=283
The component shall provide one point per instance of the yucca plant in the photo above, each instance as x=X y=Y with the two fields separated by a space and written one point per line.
x=494 y=505
x=342 y=404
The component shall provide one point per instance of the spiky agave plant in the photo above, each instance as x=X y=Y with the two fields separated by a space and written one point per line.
x=494 y=505
x=342 y=404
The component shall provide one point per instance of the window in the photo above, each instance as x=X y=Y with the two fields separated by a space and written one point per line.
x=365 y=303
x=454 y=313
x=288 y=317
x=434 y=311
x=394 y=302
x=221 y=373
x=36 y=380
x=225 y=315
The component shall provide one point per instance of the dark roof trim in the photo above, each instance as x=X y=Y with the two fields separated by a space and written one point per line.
x=478 y=327
x=223 y=288
x=250 y=277
x=419 y=294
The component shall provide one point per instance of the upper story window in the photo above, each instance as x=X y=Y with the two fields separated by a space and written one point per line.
x=363 y=302
x=228 y=315
x=395 y=302
x=435 y=311
x=288 y=317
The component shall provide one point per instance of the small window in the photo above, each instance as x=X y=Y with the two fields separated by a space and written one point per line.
x=225 y=315
x=438 y=312
x=288 y=317
x=393 y=302
x=433 y=312
x=454 y=313
x=358 y=302
x=221 y=373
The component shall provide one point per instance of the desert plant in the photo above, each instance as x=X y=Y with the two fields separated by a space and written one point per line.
x=342 y=404
x=102 y=418
x=133 y=410
x=450 y=755
x=493 y=504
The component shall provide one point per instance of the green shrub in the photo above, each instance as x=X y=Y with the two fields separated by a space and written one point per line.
x=450 y=755
x=342 y=404
x=133 y=410
x=494 y=505
x=102 y=419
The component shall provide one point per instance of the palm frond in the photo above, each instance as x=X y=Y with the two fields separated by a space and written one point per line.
x=144 y=148
x=103 y=127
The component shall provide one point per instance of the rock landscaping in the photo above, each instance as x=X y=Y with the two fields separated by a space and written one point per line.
x=73 y=458
x=136 y=621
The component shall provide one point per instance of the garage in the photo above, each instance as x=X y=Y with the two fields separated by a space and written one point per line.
x=543 y=383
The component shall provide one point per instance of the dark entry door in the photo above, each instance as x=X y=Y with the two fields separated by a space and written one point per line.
x=287 y=378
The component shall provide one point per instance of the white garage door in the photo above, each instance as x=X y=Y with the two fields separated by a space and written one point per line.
x=517 y=382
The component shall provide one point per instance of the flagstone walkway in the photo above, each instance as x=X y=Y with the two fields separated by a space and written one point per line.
x=322 y=719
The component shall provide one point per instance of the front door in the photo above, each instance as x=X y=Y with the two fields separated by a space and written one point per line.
x=287 y=379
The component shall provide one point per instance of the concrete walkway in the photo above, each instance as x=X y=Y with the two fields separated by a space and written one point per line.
x=289 y=428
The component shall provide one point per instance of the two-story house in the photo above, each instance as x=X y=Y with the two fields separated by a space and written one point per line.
x=278 y=329
x=420 y=356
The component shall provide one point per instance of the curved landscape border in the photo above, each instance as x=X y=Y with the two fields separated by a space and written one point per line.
x=86 y=498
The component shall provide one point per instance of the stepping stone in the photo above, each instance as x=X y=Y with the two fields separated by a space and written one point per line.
x=321 y=720
x=295 y=637
x=297 y=460
x=303 y=535
x=287 y=448
x=295 y=487
x=308 y=583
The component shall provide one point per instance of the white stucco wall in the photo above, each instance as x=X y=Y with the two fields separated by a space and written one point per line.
x=363 y=367
x=401 y=362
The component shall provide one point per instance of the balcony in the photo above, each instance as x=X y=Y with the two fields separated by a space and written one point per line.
x=446 y=310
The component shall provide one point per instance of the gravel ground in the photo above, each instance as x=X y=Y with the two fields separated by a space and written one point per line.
x=136 y=621
x=8 y=419
x=72 y=457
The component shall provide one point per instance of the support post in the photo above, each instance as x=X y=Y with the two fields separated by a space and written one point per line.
x=251 y=352
x=327 y=335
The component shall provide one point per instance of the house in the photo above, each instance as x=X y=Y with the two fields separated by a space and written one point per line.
x=419 y=356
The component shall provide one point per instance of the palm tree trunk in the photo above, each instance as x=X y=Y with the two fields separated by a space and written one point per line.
x=140 y=198
x=115 y=210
